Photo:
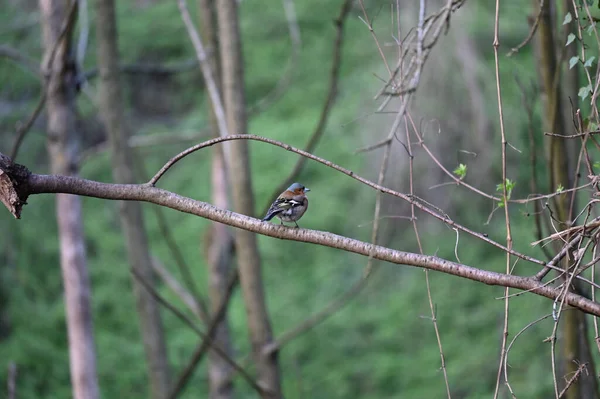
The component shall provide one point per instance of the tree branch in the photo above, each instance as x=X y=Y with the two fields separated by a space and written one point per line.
x=24 y=183
x=417 y=202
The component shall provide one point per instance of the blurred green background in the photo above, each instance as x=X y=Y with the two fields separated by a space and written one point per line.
x=382 y=344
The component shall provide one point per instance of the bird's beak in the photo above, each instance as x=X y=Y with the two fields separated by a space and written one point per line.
x=306 y=189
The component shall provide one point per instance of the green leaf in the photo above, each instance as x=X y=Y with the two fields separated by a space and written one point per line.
x=584 y=91
x=510 y=185
x=461 y=171
x=570 y=38
x=596 y=165
x=568 y=18
x=588 y=62
x=573 y=61
x=560 y=188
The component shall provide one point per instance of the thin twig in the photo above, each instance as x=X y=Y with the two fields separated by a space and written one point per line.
x=204 y=345
x=176 y=253
x=556 y=315
x=568 y=247
x=66 y=26
x=572 y=380
x=213 y=90
x=419 y=203
x=531 y=32
x=427 y=283
x=572 y=136
x=509 y=240
x=517 y=335
x=317 y=318
x=369 y=25
x=285 y=80
x=186 y=320
x=327 y=106
x=170 y=281
x=22 y=129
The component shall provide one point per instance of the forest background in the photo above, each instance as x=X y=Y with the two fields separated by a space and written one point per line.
x=382 y=343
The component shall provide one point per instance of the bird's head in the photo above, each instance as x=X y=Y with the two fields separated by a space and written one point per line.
x=298 y=189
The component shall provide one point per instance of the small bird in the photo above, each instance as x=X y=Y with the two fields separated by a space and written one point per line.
x=290 y=205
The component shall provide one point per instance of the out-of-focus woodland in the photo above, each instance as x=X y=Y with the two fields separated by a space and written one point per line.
x=402 y=93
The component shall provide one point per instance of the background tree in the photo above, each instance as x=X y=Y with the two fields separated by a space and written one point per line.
x=219 y=239
x=131 y=218
x=249 y=263
x=58 y=21
x=413 y=158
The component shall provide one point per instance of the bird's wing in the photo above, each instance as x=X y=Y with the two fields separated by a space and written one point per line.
x=285 y=203
x=281 y=204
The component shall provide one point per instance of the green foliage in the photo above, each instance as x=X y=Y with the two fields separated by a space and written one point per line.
x=461 y=171
x=383 y=343
x=510 y=185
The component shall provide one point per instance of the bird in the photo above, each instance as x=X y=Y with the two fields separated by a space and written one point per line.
x=290 y=205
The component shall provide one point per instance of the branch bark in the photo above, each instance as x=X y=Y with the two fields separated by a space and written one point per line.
x=25 y=184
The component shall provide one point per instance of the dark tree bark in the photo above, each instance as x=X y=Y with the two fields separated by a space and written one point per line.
x=572 y=322
x=589 y=382
x=249 y=263
x=218 y=251
x=63 y=149
x=132 y=222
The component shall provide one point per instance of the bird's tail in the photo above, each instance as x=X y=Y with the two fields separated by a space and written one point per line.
x=269 y=216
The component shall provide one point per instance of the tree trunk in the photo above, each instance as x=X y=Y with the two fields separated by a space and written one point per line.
x=132 y=222
x=589 y=382
x=558 y=167
x=243 y=197
x=219 y=254
x=219 y=266
x=63 y=150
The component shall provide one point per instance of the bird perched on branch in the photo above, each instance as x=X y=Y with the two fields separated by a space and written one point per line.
x=290 y=205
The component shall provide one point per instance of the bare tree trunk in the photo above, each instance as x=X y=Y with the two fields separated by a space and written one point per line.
x=219 y=266
x=221 y=240
x=63 y=149
x=132 y=222
x=558 y=165
x=589 y=382
x=243 y=197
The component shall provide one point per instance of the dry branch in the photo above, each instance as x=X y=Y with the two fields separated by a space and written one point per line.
x=26 y=184
x=436 y=213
